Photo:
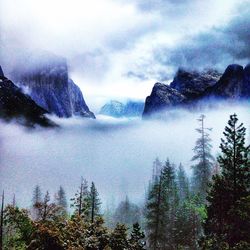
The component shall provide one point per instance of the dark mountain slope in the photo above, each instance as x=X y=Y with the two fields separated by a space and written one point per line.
x=48 y=83
x=16 y=105
x=191 y=89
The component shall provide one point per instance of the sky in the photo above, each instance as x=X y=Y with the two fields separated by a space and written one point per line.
x=117 y=49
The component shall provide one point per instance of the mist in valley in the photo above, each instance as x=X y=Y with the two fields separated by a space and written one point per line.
x=117 y=154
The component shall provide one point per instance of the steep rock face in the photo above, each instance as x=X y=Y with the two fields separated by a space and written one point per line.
x=15 y=104
x=118 y=109
x=246 y=86
x=190 y=89
x=230 y=85
x=161 y=97
x=48 y=84
x=79 y=107
x=193 y=83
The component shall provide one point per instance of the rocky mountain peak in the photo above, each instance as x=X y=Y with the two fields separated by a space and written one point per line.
x=46 y=78
x=193 y=83
x=162 y=96
x=191 y=88
x=231 y=84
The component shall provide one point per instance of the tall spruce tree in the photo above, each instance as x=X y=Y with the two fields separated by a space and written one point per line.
x=94 y=202
x=228 y=210
x=81 y=201
x=156 y=212
x=172 y=201
x=61 y=200
x=36 y=201
x=161 y=209
x=202 y=155
x=37 y=195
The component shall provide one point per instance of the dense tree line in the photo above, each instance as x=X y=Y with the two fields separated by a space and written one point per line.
x=206 y=212
x=208 y=209
x=48 y=225
x=173 y=214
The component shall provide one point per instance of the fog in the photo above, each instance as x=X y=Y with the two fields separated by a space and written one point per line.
x=116 y=154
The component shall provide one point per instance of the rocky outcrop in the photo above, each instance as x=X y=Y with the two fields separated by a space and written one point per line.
x=46 y=80
x=190 y=89
x=246 y=85
x=162 y=96
x=14 y=104
x=192 y=84
x=233 y=84
x=118 y=109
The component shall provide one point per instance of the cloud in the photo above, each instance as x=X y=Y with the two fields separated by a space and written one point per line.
x=106 y=152
x=118 y=47
x=68 y=27
x=216 y=47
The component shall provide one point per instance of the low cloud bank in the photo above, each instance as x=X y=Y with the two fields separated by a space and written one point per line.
x=116 y=154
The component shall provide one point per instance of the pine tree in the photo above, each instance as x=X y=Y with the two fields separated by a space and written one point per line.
x=96 y=235
x=234 y=159
x=45 y=208
x=136 y=241
x=118 y=238
x=81 y=202
x=37 y=195
x=61 y=200
x=172 y=203
x=36 y=201
x=202 y=155
x=227 y=210
x=183 y=184
x=94 y=201
x=156 y=212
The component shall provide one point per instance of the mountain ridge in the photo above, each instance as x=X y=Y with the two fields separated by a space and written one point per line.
x=191 y=88
x=46 y=77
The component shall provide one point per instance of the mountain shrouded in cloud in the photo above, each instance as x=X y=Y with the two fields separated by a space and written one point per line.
x=45 y=78
x=119 y=48
x=197 y=90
